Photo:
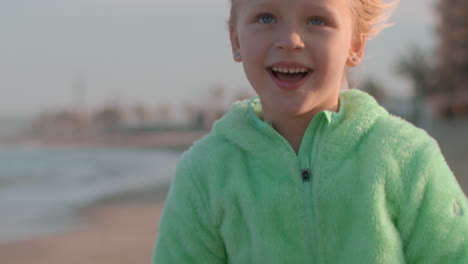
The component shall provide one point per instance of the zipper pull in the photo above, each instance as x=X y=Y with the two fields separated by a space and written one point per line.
x=306 y=174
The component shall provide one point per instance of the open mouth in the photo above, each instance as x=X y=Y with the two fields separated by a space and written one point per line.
x=289 y=74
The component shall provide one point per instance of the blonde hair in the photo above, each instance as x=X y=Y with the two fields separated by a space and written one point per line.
x=369 y=16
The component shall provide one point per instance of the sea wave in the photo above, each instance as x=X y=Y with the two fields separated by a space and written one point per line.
x=41 y=185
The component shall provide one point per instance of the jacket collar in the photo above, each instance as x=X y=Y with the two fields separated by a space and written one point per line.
x=358 y=113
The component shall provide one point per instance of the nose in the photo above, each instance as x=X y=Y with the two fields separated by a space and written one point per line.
x=289 y=40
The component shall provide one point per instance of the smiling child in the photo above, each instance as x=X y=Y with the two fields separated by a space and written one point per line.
x=307 y=172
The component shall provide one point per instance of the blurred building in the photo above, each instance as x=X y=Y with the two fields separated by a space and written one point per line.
x=452 y=97
x=62 y=123
x=108 y=119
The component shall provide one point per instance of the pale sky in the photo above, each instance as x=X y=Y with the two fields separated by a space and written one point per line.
x=149 y=51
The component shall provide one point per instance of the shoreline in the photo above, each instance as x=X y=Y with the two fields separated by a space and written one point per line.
x=117 y=229
x=178 y=140
x=76 y=179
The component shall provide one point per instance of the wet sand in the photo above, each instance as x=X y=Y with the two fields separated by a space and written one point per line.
x=122 y=230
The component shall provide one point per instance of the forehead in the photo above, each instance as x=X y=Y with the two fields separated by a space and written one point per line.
x=323 y=4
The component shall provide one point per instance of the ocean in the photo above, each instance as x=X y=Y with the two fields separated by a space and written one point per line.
x=41 y=188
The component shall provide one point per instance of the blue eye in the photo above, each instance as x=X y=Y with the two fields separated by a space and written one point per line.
x=266 y=19
x=316 y=22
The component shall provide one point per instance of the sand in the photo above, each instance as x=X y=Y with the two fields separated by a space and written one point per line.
x=112 y=232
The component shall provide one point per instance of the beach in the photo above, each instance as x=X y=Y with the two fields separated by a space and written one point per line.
x=81 y=204
x=120 y=193
x=116 y=230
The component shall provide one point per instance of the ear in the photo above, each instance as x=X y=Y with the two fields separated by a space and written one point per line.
x=236 y=53
x=356 y=51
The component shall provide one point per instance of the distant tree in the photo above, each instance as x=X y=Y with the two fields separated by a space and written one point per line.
x=374 y=88
x=418 y=69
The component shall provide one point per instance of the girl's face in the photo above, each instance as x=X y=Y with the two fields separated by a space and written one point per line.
x=311 y=40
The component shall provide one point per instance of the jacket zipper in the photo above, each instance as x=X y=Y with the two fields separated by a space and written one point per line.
x=303 y=167
x=306 y=176
x=308 y=180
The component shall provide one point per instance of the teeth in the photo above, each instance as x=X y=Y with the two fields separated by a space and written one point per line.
x=286 y=70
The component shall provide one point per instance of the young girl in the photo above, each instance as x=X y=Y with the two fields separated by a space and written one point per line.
x=306 y=173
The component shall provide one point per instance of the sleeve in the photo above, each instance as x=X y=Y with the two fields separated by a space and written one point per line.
x=185 y=233
x=433 y=219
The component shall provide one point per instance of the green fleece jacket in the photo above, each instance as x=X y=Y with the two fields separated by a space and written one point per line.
x=366 y=187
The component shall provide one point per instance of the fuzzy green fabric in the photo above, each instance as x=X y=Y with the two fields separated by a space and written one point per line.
x=378 y=191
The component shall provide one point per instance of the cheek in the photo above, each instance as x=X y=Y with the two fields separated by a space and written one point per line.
x=252 y=47
x=254 y=54
x=334 y=52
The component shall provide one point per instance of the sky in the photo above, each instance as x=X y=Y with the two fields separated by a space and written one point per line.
x=150 y=51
